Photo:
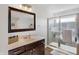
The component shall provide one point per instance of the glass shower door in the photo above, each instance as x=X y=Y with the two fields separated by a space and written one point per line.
x=62 y=33
x=53 y=31
x=68 y=33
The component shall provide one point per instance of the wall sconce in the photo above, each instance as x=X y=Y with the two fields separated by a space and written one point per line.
x=26 y=7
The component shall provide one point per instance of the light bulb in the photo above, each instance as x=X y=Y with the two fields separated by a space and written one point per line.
x=26 y=8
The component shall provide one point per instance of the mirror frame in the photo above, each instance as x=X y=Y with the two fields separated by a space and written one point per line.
x=19 y=30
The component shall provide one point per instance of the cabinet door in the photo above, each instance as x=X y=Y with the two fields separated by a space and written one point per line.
x=36 y=48
x=40 y=49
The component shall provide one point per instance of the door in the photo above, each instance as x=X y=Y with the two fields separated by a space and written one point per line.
x=53 y=31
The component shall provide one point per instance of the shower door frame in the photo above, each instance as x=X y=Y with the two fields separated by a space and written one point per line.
x=48 y=29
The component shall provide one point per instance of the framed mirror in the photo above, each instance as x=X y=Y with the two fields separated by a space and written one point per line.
x=20 y=20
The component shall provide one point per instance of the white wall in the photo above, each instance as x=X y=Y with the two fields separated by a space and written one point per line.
x=42 y=28
x=3 y=29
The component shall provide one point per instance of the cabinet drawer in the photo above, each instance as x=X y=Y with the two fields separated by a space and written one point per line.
x=34 y=45
x=17 y=51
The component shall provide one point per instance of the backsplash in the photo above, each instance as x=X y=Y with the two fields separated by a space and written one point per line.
x=23 y=33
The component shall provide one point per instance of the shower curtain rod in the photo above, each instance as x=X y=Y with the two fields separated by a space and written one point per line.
x=62 y=15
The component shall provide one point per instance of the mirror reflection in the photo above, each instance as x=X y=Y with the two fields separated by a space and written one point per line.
x=21 y=20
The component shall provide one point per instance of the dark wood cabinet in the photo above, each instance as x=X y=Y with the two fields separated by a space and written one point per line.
x=35 y=48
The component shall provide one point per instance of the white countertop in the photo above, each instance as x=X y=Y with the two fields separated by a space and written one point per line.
x=22 y=42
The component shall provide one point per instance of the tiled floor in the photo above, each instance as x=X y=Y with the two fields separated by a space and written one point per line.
x=64 y=48
x=48 y=51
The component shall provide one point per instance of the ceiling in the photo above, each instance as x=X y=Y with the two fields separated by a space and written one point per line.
x=43 y=10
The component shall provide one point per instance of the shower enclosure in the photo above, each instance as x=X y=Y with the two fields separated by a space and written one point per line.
x=62 y=32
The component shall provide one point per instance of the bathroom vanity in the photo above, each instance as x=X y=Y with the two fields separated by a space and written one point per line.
x=18 y=21
x=33 y=46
